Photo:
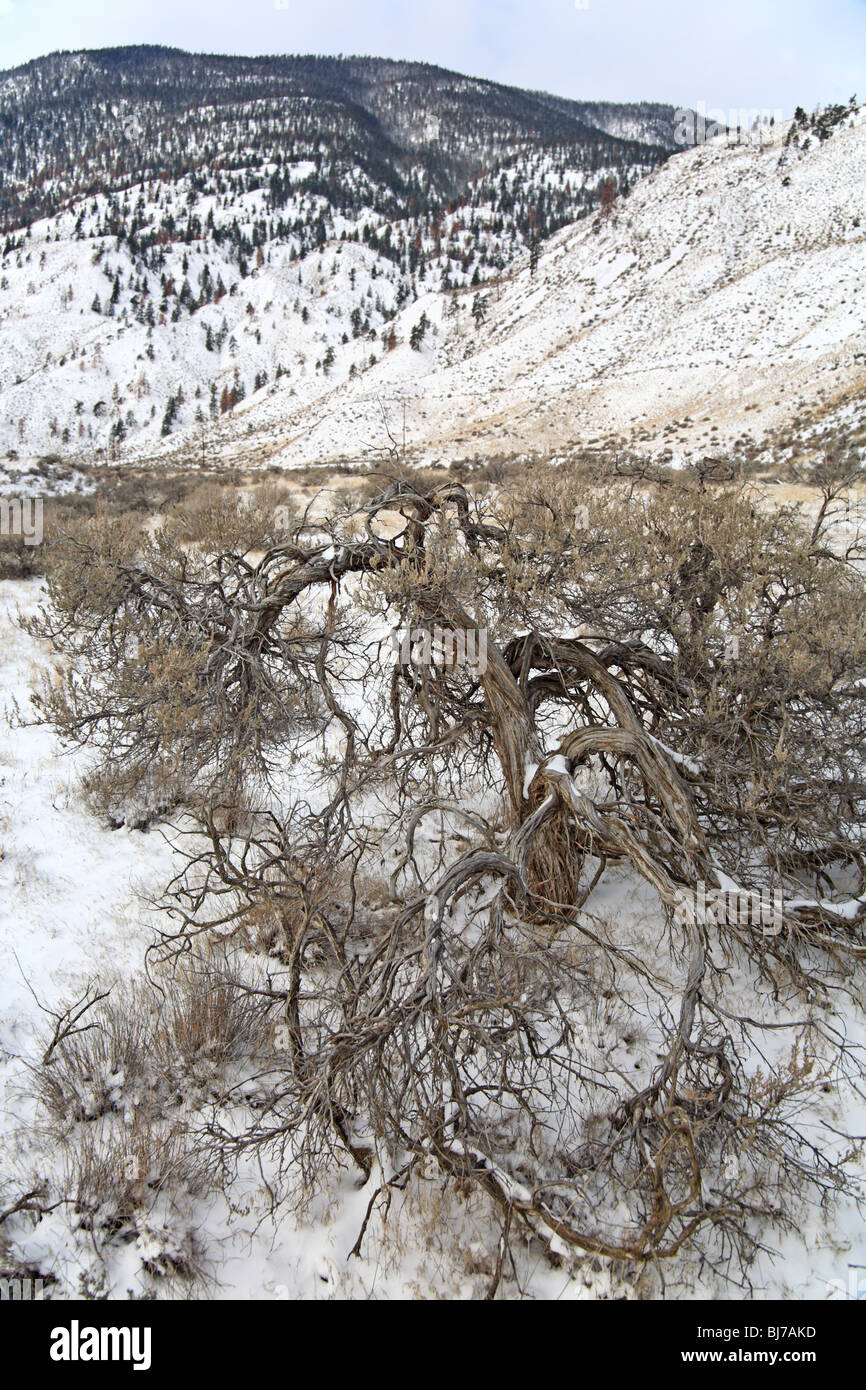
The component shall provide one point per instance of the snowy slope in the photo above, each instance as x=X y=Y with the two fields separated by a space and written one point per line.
x=156 y=208
x=724 y=298
x=206 y=292
x=716 y=304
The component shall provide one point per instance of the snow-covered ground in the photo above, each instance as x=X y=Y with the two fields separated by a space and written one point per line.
x=74 y=908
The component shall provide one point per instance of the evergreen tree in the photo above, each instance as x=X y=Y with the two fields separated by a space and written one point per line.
x=419 y=330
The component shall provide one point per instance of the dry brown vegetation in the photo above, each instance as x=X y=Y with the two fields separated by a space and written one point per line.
x=673 y=691
x=121 y=1086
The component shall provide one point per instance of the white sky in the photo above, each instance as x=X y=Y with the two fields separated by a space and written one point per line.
x=772 y=54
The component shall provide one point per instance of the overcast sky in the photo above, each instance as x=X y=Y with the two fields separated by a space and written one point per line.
x=772 y=54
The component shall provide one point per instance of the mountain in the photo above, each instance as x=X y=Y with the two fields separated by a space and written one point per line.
x=180 y=231
x=719 y=309
x=288 y=258
x=80 y=123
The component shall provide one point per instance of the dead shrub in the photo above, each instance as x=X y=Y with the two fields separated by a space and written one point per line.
x=143 y=1048
x=161 y=737
x=132 y=795
x=104 y=1067
x=115 y=1173
x=673 y=690
x=222 y=520
x=208 y=1022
